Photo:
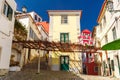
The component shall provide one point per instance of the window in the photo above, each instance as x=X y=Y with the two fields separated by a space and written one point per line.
x=66 y=60
x=87 y=36
x=7 y=11
x=112 y=65
x=106 y=39
x=32 y=34
x=104 y=20
x=36 y=17
x=100 y=27
x=64 y=19
x=62 y=60
x=64 y=37
x=96 y=69
x=114 y=33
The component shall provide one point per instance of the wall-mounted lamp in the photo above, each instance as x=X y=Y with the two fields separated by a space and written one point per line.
x=110 y=6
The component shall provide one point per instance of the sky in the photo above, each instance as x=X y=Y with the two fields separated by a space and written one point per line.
x=90 y=9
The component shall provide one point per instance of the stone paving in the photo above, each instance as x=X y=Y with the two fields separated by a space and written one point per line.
x=29 y=72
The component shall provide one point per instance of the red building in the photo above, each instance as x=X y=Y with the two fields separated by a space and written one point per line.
x=89 y=65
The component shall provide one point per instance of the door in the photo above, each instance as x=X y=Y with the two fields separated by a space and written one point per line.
x=64 y=63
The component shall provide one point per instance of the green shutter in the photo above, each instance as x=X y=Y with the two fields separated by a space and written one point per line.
x=112 y=62
x=64 y=37
x=9 y=13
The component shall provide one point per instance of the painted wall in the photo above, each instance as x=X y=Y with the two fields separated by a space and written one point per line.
x=6 y=34
x=73 y=28
x=91 y=69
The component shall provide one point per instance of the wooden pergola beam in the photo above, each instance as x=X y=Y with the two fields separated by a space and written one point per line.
x=56 y=46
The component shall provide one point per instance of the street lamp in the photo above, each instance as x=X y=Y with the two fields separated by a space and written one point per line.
x=110 y=6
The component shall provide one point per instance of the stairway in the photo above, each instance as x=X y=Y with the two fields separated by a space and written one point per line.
x=29 y=72
x=33 y=64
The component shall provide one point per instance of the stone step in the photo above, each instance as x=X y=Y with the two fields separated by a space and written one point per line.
x=30 y=73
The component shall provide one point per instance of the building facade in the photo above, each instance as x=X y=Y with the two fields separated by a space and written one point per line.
x=35 y=16
x=64 y=26
x=33 y=33
x=7 y=9
x=107 y=31
x=88 y=58
x=44 y=29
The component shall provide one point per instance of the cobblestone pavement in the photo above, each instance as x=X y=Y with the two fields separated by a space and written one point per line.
x=51 y=75
x=30 y=73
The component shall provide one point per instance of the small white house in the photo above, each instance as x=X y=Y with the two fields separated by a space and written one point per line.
x=7 y=9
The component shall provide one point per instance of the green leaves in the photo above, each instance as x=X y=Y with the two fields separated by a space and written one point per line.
x=20 y=33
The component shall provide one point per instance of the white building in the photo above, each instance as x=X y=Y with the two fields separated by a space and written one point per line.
x=44 y=29
x=33 y=34
x=108 y=30
x=7 y=9
x=35 y=16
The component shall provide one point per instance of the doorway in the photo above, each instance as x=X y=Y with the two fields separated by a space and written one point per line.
x=64 y=63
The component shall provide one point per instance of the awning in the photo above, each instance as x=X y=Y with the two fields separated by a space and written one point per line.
x=114 y=45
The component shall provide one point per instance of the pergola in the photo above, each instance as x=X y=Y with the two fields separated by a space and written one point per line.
x=56 y=46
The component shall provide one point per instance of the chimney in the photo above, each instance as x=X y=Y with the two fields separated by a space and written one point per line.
x=24 y=9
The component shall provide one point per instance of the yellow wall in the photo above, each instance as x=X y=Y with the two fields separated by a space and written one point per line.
x=71 y=28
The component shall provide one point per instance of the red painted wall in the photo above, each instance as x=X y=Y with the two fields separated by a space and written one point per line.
x=90 y=68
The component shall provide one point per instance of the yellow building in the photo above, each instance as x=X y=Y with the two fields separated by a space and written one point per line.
x=64 y=26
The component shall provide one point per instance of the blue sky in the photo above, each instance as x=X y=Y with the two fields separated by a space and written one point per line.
x=90 y=9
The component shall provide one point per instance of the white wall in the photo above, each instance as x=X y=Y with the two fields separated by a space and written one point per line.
x=107 y=30
x=24 y=22
x=28 y=22
x=33 y=16
x=6 y=34
x=44 y=35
